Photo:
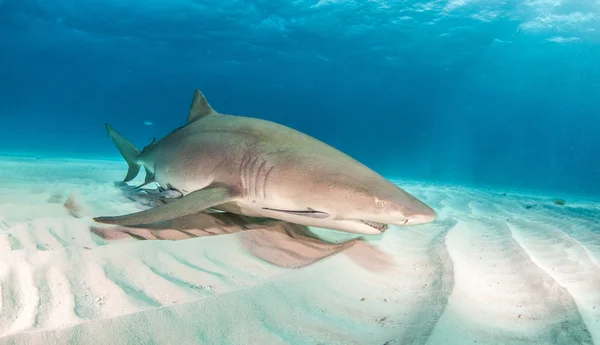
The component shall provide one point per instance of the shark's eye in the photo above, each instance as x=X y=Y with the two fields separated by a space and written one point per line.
x=380 y=203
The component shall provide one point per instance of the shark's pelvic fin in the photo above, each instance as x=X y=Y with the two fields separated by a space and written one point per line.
x=199 y=108
x=192 y=203
x=128 y=150
x=149 y=178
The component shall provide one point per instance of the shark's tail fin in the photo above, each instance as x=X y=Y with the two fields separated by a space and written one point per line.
x=128 y=150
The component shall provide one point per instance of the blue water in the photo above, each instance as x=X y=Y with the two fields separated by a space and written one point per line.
x=467 y=92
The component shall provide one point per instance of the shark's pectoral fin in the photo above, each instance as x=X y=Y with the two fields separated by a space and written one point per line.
x=192 y=203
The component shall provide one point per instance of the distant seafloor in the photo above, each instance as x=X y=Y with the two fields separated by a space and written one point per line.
x=496 y=267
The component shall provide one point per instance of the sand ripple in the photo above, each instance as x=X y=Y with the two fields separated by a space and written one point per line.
x=494 y=268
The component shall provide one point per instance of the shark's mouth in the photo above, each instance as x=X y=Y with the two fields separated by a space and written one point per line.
x=318 y=214
x=375 y=225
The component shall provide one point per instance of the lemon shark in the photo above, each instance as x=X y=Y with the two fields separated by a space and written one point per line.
x=258 y=168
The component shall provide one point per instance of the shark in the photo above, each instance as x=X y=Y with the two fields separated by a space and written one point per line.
x=258 y=168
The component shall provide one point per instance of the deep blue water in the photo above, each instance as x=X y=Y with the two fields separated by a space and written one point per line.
x=468 y=92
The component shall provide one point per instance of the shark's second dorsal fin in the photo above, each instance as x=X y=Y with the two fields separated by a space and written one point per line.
x=199 y=108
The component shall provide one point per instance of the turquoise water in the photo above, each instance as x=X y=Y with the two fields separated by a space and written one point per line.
x=471 y=92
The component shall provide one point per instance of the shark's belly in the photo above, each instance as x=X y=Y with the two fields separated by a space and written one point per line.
x=187 y=170
x=193 y=163
x=181 y=183
x=243 y=208
x=181 y=179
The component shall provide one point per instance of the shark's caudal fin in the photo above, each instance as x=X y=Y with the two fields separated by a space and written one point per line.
x=128 y=150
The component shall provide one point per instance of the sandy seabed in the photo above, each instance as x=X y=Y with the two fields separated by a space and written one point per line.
x=494 y=268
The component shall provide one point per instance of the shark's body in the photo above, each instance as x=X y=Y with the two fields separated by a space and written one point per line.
x=259 y=168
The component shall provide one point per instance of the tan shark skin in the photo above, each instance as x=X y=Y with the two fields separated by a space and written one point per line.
x=259 y=168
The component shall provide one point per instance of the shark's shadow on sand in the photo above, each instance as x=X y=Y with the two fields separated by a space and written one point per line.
x=278 y=242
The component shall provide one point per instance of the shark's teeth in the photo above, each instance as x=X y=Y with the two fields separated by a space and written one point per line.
x=378 y=226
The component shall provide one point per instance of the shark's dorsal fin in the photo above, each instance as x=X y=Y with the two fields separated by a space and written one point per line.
x=200 y=107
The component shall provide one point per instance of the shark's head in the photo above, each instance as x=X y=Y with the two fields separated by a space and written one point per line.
x=360 y=202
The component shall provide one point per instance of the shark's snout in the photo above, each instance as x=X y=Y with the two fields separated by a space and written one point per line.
x=419 y=213
x=423 y=218
x=409 y=210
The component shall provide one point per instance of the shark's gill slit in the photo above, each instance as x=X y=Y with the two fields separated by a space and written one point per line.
x=305 y=213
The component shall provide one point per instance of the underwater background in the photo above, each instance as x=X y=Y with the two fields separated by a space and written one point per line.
x=486 y=111
x=468 y=92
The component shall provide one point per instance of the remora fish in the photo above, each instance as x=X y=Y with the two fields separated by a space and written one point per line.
x=259 y=168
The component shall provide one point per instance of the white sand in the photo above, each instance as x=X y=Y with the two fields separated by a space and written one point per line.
x=488 y=271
